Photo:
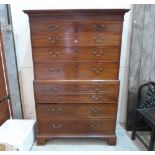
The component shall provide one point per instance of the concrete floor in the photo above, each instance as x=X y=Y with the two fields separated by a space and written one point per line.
x=124 y=143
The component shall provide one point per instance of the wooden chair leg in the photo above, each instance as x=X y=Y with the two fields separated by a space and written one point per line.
x=134 y=128
x=152 y=140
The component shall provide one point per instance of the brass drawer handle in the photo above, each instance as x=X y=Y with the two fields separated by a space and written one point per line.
x=95 y=110
x=97 y=98
x=55 y=98
x=56 y=126
x=56 y=110
x=52 y=40
x=99 y=39
x=95 y=126
x=99 y=27
x=97 y=87
x=54 y=54
x=98 y=53
x=54 y=70
x=53 y=27
x=97 y=70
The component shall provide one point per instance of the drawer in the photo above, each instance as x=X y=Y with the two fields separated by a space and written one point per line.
x=79 y=71
x=76 y=110
x=80 y=54
x=76 y=39
x=77 y=26
x=76 y=126
x=77 y=98
x=71 y=86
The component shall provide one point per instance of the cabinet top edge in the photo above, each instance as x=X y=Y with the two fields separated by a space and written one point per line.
x=74 y=11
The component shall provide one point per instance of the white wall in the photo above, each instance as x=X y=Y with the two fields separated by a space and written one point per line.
x=23 y=48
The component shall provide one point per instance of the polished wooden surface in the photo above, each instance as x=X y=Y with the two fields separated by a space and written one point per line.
x=76 y=56
x=76 y=39
x=57 y=27
x=77 y=98
x=80 y=54
x=63 y=86
x=80 y=110
x=76 y=15
x=76 y=126
x=80 y=71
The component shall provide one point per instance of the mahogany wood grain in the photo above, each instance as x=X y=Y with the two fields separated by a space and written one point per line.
x=80 y=54
x=80 y=71
x=77 y=98
x=76 y=126
x=76 y=39
x=57 y=27
x=76 y=55
x=65 y=86
x=80 y=110
x=76 y=15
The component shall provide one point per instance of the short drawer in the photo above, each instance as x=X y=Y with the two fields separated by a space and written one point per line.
x=76 y=39
x=73 y=86
x=77 y=98
x=79 y=54
x=78 y=71
x=76 y=126
x=76 y=110
x=54 y=27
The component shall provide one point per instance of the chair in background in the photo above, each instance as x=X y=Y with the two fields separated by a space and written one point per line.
x=145 y=110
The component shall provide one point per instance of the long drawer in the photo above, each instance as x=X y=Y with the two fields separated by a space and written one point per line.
x=77 y=98
x=80 y=110
x=75 y=86
x=87 y=54
x=77 y=39
x=76 y=126
x=76 y=26
x=79 y=71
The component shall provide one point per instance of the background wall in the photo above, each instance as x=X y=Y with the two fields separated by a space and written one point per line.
x=142 y=59
x=23 y=49
x=11 y=62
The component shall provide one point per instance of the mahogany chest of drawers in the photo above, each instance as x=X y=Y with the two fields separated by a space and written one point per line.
x=76 y=55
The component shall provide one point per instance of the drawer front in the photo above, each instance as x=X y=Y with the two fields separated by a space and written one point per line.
x=76 y=110
x=54 y=27
x=76 y=39
x=77 y=98
x=56 y=98
x=75 y=126
x=78 y=86
x=79 y=71
x=87 y=54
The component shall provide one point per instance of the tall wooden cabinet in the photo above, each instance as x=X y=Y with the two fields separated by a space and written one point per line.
x=76 y=55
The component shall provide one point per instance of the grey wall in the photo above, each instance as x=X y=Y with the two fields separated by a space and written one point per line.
x=142 y=54
x=11 y=65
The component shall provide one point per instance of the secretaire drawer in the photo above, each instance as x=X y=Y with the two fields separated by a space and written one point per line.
x=76 y=126
x=75 y=86
x=76 y=39
x=77 y=98
x=79 y=71
x=80 y=54
x=38 y=28
x=76 y=110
